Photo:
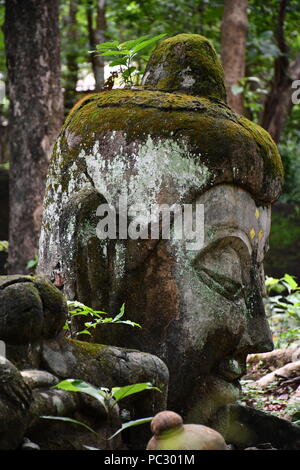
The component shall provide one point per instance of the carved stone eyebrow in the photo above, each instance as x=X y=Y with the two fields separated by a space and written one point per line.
x=223 y=235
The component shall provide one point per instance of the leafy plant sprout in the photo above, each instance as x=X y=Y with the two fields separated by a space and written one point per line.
x=32 y=263
x=124 y=55
x=96 y=317
x=4 y=245
x=108 y=399
x=283 y=310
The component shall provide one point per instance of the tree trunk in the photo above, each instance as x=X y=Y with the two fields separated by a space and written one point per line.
x=233 y=48
x=4 y=143
x=33 y=62
x=279 y=101
x=71 y=75
x=97 y=36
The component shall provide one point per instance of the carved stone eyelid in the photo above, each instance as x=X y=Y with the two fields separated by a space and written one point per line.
x=229 y=288
x=226 y=239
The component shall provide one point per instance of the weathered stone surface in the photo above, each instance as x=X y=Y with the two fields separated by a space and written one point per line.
x=33 y=312
x=274 y=359
x=201 y=310
x=69 y=357
x=108 y=366
x=28 y=445
x=15 y=399
x=288 y=371
x=4 y=210
x=245 y=427
x=31 y=308
x=26 y=396
x=39 y=379
x=57 y=435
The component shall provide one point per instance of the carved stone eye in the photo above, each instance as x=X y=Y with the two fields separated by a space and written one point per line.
x=225 y=286
x=220 y=269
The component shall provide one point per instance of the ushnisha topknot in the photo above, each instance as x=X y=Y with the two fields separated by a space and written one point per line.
x=164 y=421
x=171 y=434
x=186 y=63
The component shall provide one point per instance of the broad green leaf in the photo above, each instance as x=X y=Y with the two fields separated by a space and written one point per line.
x=69 y=420
x=90 y=447
x=107 y=45
x=75 y=303
x=120 y=314
x=118 y=62
x=253 y=79
x=4 y=244
x=128 y=72
x=114 y=53
x=236 y=89
x=32 y=263
x=83 y=332
x=291 y=281
x=130 y=424
x=271 y=281
x=76 y=313
x=75 y=385
x=119 y=393
x=129 y=322
x=99 y=313
x=107 y=320
x=133 y=42
x=147 y=43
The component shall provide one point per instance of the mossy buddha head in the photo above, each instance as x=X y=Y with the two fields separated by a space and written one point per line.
x=172 y=142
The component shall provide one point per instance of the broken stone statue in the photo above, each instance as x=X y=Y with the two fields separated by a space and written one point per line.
x=172 y=141
x=39 y=355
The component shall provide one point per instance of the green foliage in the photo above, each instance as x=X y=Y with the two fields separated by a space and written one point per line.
x=2 y=50
x=256 y=397
x=293 y=411
x=96 y=317
x=263 y=400
x=126 y=54
x=285 y=231
x=290 y=153
x=4 y=245
x=253 y=91
x=287 y=282
x=70 y=420
x=283 y=310
x=131 y=424
x=32 y=263
x=108 y=399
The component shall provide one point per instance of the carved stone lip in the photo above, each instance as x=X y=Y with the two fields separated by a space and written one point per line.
x=231 y=370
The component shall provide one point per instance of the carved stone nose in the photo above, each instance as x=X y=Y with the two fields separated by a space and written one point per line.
x=256 y=341
x=230 y=369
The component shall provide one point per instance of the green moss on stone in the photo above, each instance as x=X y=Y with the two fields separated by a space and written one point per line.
x=88 y=349
x=214 y=132
x=263 y=139
x=187 y=63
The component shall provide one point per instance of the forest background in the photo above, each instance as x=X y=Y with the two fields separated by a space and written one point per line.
x=46 y=66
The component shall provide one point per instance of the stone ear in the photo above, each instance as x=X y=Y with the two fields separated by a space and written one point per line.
x=81 y=249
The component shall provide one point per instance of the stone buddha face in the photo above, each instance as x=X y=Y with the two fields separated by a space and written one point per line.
x=201 y=310
x=173 y=142
x=207 y=302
